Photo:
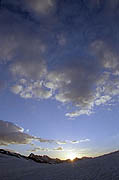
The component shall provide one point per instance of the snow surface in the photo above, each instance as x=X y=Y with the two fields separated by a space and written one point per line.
x=101 y=168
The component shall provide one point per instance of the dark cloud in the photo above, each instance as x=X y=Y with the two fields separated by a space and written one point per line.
x=13 y=134
x=62 y=49
x=58 y=149
x=36 y=149
x=40 y=6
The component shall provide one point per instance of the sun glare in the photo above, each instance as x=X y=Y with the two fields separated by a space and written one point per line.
x=71 y=156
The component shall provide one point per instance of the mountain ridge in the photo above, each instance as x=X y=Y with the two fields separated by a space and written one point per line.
x=41 y=159
x=49 y=160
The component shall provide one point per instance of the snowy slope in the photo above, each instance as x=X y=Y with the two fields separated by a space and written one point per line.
x=101 y=168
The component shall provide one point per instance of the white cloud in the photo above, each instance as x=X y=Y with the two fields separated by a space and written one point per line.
x=79 y=112
x=73 y=141
x=85 y=140
x=32 y=89
x=17 y=89
x=61 y=142
x=102 y=100
x=80 y=141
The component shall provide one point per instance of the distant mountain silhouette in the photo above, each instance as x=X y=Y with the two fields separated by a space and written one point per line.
x=48 y=160
x=41 y=159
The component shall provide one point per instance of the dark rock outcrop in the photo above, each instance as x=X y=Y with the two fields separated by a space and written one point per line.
x=44 y=159
x=10 y=153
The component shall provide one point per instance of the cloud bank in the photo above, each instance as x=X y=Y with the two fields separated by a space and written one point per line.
x=13 y=134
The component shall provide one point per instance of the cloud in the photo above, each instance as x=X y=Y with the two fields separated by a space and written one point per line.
x=102 y=100
x=36 y=149
x=107 y=4
x=16 y=89
x=61 y=142
x=29 y=68
x=21 y=45
x=39 y=6
x=80 y=141
x=62 y=56
x=85 y=140
x=79 y=112
x=74 y=83
x=58 y=149
x=7 y=51
x=73 y=141
x=32 y=6
x=78 y=81
x=88 y=82
x=13 y=134
x=32 y=89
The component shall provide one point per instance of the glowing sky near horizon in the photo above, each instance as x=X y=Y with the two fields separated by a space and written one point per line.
x=59 y=76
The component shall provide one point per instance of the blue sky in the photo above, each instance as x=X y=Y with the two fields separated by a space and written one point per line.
x=59 y=83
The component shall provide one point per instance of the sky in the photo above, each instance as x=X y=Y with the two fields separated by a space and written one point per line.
x=59 y=77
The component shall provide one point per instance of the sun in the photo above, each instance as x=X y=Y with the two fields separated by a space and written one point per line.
x=71 y=156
